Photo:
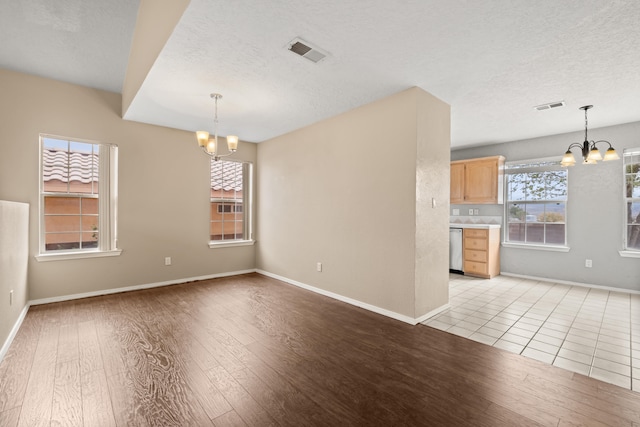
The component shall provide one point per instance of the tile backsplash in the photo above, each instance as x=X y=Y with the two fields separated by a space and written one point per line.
x=480 y=219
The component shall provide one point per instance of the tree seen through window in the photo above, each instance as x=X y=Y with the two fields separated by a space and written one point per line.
x=632 y=198
x=536 y=204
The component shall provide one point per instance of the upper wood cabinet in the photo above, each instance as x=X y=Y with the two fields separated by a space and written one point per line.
x=457 y=183
x=477 y=181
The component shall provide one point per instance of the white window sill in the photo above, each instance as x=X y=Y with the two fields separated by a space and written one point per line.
x=536 y=247
x=62 y=256
x=214 y=244
x=629 y=254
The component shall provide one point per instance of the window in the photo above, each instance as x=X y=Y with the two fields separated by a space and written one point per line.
x=230 y=192
x=536 y=203
x=77 y=197
x=631 y=159
x=227 y=208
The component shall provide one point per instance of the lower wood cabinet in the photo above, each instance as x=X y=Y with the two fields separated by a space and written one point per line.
x=481 y=249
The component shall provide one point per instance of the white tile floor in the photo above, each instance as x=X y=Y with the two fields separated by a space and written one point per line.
x=590 y=331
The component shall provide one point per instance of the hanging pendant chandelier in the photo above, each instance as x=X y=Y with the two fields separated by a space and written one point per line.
x=590 y=153
x=209 y=144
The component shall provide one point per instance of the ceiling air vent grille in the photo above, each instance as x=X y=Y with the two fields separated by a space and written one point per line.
x=299 y=48
x=307 y=51
x=549 y=106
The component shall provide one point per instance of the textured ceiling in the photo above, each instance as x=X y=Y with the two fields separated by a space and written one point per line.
x=78 y=41
x=492 y=60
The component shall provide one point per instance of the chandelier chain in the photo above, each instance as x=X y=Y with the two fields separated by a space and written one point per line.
x=216 y=112
x=585 y=124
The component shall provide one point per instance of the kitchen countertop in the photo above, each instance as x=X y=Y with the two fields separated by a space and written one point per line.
x=484 y=226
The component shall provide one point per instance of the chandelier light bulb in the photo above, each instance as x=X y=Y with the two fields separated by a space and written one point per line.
x=208 y=143
x=590 y=153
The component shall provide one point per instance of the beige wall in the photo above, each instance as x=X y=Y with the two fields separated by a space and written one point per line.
x=432 y=184
x=343 y=192
x=353 y=192
x=161 y=171
x=14 y=251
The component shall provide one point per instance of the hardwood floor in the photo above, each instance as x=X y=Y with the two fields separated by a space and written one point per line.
x=250 y=350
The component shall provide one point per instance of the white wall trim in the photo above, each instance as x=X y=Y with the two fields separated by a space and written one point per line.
x=351 y=301
x=136 y=287
x=433 y=313
x=16 y=327
x=63 y=256
x=567 y=282
x=629 y=254
x=535 y=247
x=366 y=306
x=14 y=331
x=217 y=244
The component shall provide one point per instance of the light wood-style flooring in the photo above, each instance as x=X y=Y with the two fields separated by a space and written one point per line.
x=250 y=350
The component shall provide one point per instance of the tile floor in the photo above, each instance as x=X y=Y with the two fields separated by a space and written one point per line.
x=593 y=332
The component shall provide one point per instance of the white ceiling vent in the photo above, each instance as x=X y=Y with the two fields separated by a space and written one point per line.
x=306 y=50
x=549 y=106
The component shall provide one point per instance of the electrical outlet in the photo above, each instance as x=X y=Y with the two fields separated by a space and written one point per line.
x=167 y=260
x=476 y=211
x=588 y=263
x=319 y=266
x=456 y=212
x=470 y=211
x=11 y=297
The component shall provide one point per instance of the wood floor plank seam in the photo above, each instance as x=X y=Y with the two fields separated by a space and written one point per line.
x=593 y=411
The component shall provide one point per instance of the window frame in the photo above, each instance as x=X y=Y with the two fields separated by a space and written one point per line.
x=247 y=207
x=233 y=208
x=626 y=251
x=107 y=204
x=531 y=165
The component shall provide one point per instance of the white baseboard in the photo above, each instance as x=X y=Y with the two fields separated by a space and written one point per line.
x=567 y=282
x=433 y=312
x=14 y=331
x=136 y=287
x=370 y=307
x=364 y=305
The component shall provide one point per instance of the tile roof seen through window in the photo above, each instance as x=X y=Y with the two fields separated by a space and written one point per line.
x=69 y=166
x=83 y=167
x=226 y=175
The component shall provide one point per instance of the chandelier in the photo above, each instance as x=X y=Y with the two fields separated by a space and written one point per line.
x=209 y=144
x=590 y=152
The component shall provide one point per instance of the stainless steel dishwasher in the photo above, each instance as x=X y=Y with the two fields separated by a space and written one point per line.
x=455 y=250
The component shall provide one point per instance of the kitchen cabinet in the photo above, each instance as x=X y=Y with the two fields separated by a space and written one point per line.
x=481 y=248
x=457 y=183
x=477 y=181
